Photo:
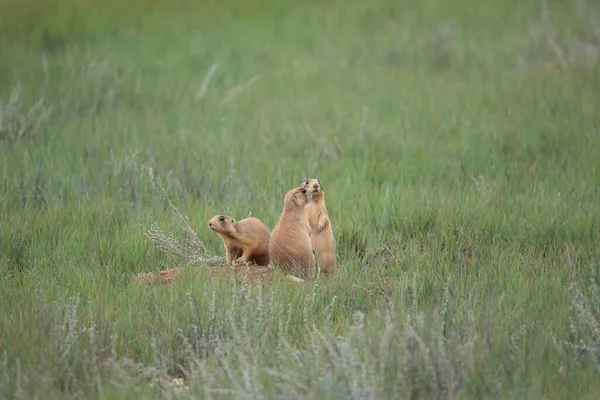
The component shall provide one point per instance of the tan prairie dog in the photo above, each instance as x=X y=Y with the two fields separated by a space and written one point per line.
x=245 y=241
x=290 y=245
x=323 y=242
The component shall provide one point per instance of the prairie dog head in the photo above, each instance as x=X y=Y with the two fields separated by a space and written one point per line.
x=313 y=186
x=297 y=197
x=222 y=224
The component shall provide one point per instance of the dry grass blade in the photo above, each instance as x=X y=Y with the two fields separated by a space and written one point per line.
x=191 y=249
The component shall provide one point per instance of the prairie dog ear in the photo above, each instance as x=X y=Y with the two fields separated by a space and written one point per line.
x=319 y=182
x=233 y=221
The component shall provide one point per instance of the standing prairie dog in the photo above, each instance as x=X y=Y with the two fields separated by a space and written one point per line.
x=290 y=245
x=323 y=242
x=245 y=241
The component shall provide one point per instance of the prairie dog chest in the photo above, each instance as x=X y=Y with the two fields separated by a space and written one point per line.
x=313 y=212
x=228 y=240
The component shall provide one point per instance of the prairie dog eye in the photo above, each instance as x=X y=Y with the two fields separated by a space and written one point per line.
x=303 y=190
x=306 y=182
x=221 y=219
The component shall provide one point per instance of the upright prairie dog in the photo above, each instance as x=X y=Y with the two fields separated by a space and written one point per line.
x=245 y=241
x=323 y=242
x=290 y=245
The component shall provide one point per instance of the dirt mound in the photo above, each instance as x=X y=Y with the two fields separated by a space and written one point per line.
x=252 y=273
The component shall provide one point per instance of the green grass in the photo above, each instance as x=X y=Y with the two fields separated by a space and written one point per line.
x=457 y=143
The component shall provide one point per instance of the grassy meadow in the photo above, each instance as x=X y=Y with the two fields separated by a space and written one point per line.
x=457 y=144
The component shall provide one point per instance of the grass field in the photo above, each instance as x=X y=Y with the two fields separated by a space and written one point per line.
x=458 y=147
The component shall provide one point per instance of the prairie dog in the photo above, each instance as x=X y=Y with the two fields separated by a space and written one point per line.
x=323 y=242
x=290 y=246
x=245 y=241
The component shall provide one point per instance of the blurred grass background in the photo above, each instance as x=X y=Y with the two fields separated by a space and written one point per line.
x=457 y=144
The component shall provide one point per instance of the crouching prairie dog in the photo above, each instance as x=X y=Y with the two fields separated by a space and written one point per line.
x=290 y=245
x=323 y=242
x=245 y=241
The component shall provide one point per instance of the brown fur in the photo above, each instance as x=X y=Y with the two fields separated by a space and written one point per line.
x=246 y=241
x=290 y=245
x=323 y=242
